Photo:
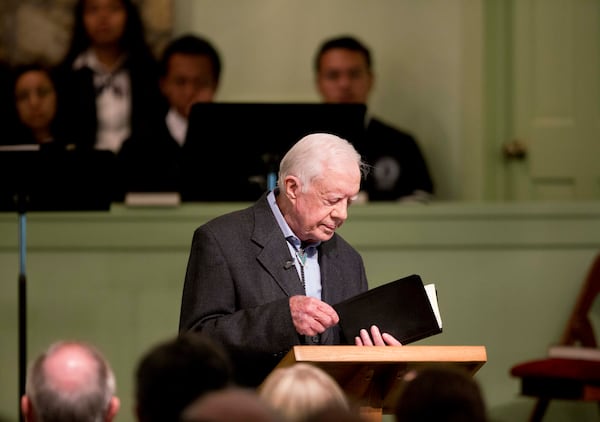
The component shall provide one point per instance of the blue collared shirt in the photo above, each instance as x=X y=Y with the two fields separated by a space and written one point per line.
x=312 y=271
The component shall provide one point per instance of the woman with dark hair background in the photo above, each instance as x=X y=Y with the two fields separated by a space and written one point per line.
x=51 y=178
x=34 y=105
x=108 y=82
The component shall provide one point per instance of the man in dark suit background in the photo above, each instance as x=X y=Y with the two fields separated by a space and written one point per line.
x=190 y=68
x=262 y=279
x=399 y=171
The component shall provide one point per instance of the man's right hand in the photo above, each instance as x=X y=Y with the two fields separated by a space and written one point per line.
x=312 y=316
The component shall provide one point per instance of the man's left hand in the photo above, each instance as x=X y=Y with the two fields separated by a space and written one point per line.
x=376 y=338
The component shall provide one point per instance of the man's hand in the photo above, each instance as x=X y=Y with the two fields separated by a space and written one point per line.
x=376 y=338
x=311 y=316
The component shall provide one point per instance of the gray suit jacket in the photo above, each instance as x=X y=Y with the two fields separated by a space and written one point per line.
x=237 y=288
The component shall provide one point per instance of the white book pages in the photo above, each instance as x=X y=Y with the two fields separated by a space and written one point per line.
x=432 y=295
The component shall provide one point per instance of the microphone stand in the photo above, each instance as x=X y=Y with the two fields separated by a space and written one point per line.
x=271 y=161
x=22 y=200
x=44 y=188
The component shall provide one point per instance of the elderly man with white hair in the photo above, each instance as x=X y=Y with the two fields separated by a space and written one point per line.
x=263 y=279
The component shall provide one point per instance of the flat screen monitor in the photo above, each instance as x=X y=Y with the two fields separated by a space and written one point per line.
x=232 y=148
x=33 y=179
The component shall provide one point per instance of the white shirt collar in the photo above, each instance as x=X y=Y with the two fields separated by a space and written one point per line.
x=113 y=100
x=177 y=125
x=283 y=225
x=89 y=59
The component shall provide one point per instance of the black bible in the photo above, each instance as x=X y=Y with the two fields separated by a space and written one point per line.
x=401 y=308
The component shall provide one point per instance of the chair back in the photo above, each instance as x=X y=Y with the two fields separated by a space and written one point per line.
x=579 y=329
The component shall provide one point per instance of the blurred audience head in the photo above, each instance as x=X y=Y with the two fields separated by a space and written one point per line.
x=70 y=381
x=175 y=372
x=301 y=391
x=338 y=415
x=107 y=24
x=190 y=69
x=440 y=394
x=35 y=101
x=343 y=71
x=230 y=405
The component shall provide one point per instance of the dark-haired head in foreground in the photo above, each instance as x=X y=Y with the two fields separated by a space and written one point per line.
x=174 y=373
x=440 y=394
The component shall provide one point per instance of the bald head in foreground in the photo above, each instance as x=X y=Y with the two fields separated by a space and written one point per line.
x=70 y=381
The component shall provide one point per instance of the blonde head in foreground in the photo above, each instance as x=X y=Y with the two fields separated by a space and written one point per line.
x=302 y=390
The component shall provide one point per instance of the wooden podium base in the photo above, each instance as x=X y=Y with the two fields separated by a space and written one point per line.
x=372 y=377
x=371 y=414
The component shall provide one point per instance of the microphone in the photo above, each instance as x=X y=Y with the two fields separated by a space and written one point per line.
x=288 y=265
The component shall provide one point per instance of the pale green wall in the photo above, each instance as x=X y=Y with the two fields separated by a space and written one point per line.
x=507 y=276
x=427 y=57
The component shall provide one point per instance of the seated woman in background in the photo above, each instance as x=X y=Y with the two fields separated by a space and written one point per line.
x=59 y=177
x=108 y=81
x=35 y=102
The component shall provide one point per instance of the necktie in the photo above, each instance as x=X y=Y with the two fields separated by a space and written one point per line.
x=301 y=256
x=108 y=82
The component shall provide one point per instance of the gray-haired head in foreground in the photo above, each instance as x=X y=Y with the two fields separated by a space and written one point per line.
x=83 y=393
x=312 y=154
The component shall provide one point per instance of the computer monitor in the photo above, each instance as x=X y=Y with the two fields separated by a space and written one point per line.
x=232 y=148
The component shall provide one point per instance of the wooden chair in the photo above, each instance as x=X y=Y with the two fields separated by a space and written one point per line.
x=571 y=371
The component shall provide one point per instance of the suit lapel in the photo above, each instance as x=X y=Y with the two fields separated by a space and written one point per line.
x=330 y=272
x=275 y=252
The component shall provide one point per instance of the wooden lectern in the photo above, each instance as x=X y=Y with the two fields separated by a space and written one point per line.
x=372 y=376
